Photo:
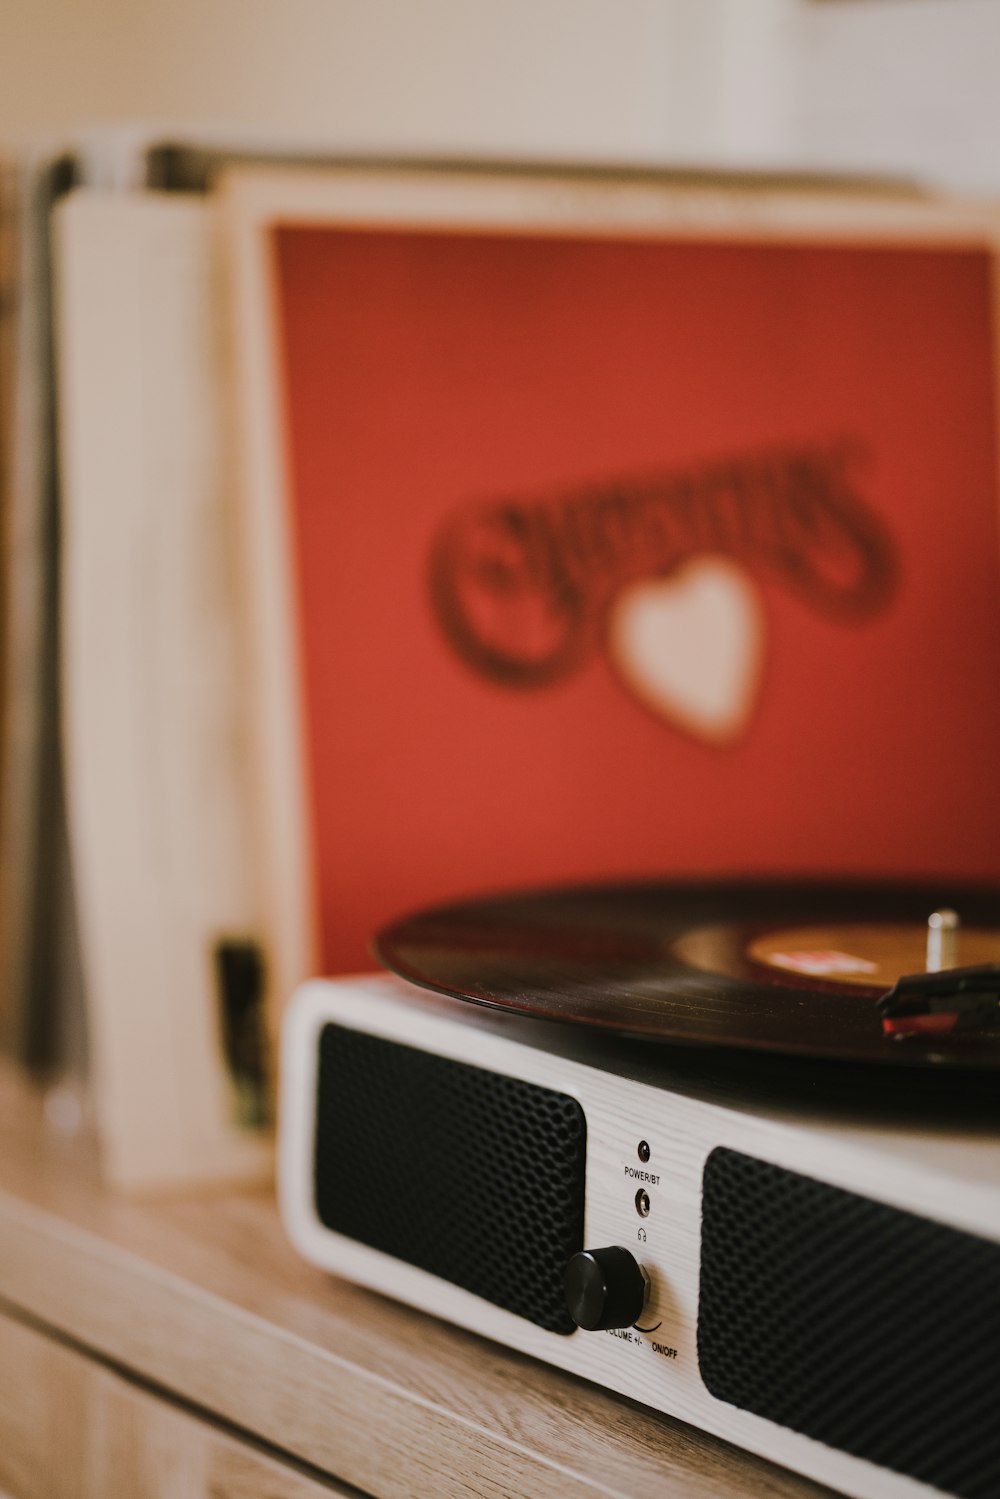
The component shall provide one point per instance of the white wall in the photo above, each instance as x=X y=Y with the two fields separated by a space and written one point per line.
x=583 y=78
x=911 y=86
x=899 y=85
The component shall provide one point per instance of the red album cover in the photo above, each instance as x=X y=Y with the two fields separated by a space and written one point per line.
x=617 y=557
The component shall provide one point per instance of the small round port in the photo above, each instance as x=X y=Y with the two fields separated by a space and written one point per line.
x=643 y=1151
x=642 y=1203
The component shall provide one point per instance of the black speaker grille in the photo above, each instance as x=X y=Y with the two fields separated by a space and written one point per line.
x=472 y=1175
x=871 y=1329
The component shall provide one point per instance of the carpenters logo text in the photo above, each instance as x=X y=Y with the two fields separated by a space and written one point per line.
x=526 y=588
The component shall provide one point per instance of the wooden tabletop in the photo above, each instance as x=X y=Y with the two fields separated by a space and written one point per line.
x=201 y=1302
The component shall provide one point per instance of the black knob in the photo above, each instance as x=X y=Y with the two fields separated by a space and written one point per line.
x=604 y=1288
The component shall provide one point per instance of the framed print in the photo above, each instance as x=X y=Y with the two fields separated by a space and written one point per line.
x=609 y=526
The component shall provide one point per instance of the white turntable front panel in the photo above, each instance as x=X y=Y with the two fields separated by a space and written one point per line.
x=647 y=1146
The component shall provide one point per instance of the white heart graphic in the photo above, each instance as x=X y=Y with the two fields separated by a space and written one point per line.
x=691 y=646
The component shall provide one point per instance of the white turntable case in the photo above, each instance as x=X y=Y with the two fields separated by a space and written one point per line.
x=948 y=1175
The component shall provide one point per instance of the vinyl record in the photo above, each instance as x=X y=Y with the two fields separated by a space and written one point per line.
x=790 y=968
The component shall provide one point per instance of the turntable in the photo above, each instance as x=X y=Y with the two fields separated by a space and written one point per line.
x=731 y=1150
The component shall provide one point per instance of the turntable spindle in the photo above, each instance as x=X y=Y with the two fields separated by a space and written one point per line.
x=942 y=940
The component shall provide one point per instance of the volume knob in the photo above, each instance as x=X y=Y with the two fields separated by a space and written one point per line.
x=604 y=1288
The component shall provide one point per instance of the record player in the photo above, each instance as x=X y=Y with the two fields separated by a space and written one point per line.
x=576 y=549
x=731 y=1150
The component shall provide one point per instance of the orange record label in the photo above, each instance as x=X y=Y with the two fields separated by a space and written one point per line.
x=820 y=963
x=863 y=955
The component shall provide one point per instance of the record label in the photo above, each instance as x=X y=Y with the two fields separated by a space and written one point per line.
x=871 y=956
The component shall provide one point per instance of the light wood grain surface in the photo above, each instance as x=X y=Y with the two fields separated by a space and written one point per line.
x=202 y=1299
x=70 y=1428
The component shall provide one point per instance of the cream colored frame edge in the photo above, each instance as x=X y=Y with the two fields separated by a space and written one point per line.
x=254 y=201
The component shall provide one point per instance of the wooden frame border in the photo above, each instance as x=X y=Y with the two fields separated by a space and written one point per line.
x=494 y=200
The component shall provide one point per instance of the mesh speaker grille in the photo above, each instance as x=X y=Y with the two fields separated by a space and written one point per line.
x=871 y=1329
x=471 y=1175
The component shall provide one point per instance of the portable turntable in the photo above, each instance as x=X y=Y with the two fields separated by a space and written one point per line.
x=755 y=1183
x=576 y=550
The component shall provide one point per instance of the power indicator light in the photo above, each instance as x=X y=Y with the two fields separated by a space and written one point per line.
x=643 y=1151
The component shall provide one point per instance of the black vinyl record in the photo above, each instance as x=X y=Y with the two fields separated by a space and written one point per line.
x=795 y=968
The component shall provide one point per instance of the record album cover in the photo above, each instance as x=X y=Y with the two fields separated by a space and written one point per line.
x=623 y=541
